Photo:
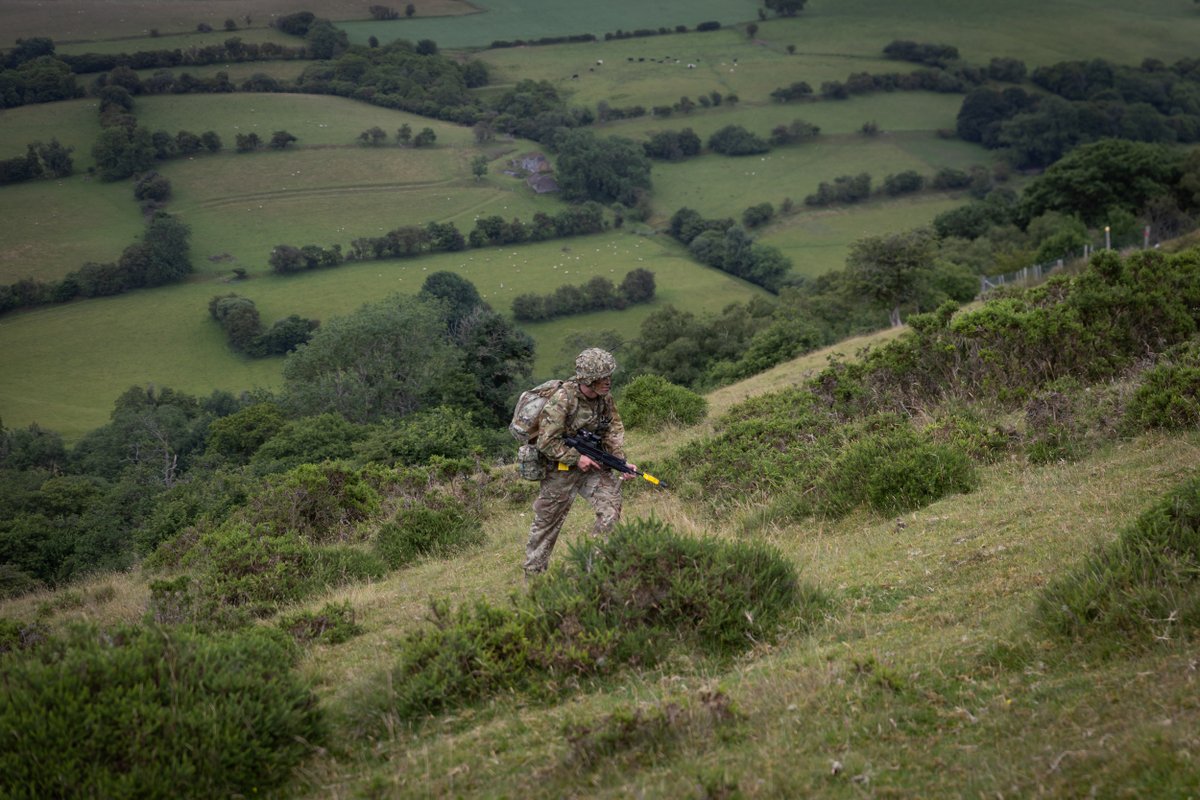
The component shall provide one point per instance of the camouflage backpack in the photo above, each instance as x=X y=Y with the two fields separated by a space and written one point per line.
x=524 y=425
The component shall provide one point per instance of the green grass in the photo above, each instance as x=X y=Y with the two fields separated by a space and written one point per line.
x=72 y=21
x=533 y=19
x=818 y=241
x=663 y=77
x=52 y=227
x=75 y=123
x=180 y=41
x=313 y=119
x=67 y=364
x=239 y=72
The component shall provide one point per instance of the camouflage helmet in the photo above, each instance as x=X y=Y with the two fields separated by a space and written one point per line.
x=593 y=364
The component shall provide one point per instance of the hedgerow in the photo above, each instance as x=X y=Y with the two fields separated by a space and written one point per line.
x=625 y=601
x=154 y=712
x=1142 y=588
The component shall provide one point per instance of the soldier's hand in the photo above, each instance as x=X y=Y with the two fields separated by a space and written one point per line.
x=587 y=465
x=628 y=476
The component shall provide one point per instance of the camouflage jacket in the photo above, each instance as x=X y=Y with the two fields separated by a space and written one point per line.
x=568 y=411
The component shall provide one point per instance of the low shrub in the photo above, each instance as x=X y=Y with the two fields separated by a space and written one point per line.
x=1168 y=396
x=333 y=624
x=439 y=525
x=319 y=502
x=651 y=402
x=252 y=567
x=647 y=733
x=1142 y=588
x=625 y=601
x=151 y=712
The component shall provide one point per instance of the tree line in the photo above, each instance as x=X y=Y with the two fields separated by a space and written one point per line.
x=441 y=237
x=598 y=294
x=162 y=256
x=722 y=244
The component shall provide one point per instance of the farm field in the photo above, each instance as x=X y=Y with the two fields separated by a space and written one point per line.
x=65 y=365
x=88 y=20
x=534 y=19
x=239 y=72
x=75 y=123
x=659 y=72
x=54 y=227
x=817 y=241
x=180 y=41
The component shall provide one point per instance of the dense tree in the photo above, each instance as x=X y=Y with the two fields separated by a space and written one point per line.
x=425 y=138
x=120 y=152
x=1096 y=178
x=387 y=359
x=889 y=269
x=459 y=295
x=734 y=140
x=606 y=170
x=281 y=139
x=785 y=8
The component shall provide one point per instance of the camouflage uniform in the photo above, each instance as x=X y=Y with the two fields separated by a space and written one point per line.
x=568 y=410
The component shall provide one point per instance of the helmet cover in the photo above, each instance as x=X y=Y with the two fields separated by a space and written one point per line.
x=593 y=364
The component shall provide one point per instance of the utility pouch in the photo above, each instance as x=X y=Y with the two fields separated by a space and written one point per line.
x=530 y=464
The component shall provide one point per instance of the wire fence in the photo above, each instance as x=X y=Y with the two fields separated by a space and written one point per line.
x=1035 y=273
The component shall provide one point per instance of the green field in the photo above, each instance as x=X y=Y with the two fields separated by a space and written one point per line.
x=239 y=72
x=65 y=365
x=817 y=241
x=718 y=185
x=179 y=41
x=75 y=123
x=534 y=19
x=52 y=227
x=663 y=74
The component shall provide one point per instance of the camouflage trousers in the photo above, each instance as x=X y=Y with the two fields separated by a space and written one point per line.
x=602 y=488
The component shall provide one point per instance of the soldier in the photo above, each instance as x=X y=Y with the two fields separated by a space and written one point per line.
x=582 y=403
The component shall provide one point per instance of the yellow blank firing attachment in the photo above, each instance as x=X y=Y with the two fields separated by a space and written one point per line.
x=650 y=478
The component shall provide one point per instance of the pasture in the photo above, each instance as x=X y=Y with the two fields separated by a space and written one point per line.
x=75 y=123
x=817 y=241
x=65 y=365
x=655 y=70
x=87 y=20
x=52 y=227
x=533 y=19
x=179 y=41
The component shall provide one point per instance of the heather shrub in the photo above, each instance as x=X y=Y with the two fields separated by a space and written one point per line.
x=437 y=525
x=333 y=624
x=151 y=712
x=1168 y=396
x=1142 y=588
x=625 y=601
x=651 y=402
x=319 y=502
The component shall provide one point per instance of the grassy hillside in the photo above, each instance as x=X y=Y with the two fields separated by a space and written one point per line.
x=927 y=676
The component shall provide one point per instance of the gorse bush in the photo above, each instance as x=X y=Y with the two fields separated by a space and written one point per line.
x=621 y=602
x=1169 y=394
x=320 y=502
x=440 y=526
x=333 y=624
x=1142 y=588
x=651 y=402
x=790 y=452
x=149 y=712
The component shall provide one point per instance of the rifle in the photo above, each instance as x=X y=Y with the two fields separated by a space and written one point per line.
x=588 y=444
